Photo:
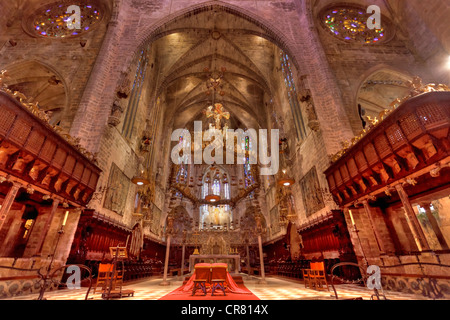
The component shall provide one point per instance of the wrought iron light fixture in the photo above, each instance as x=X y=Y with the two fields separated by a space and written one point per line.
x=212 y=198
x=140 y=180
x=285 y=180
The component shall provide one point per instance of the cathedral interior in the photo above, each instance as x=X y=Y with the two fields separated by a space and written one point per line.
x=328 y=176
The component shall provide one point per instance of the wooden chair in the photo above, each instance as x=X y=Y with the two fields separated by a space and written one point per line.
x=319 y=276
x=218 y=277
x=118 y=279
x=104 y=275
x=306 y=277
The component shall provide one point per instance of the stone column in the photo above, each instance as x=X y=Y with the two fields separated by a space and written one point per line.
x=248 y=260
x=8 y=202
x=374 y=228
x=435 y=226
x=261 y=261
x=183 y=251
x=46 y=227
x=415 y=224
x=166 y=263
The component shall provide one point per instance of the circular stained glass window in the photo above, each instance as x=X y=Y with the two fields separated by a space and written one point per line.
x=59 y=21
x=351 y=24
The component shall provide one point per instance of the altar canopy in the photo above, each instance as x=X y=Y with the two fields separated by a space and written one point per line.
x=205 y=271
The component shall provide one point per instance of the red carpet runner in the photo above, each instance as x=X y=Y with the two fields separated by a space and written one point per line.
x=234 y=291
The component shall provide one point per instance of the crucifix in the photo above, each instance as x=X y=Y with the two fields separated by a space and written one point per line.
x=217 y=112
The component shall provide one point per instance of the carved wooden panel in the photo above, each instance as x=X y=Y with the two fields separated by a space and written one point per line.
x=20 y=131
x=34 y=142
x=6 y=120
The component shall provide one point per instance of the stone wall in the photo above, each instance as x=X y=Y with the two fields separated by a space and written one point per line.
x=335 y=72
x=16 y=278
x=66 y=57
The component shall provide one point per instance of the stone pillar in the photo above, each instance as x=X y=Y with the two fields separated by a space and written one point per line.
x=166 y=263
x=248 y=260
x=415 y=224
x=183 y=251
x=435 y=226
x=8 y=202
x=374 y=228
x=10 y=232
x=46 y=227
x=261 y=261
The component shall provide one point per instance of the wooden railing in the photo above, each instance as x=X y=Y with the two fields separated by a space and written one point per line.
x=410 y=139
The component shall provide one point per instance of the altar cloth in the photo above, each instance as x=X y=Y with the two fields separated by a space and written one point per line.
x=200 y=270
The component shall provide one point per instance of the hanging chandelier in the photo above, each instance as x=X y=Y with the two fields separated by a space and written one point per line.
x=285 y=180
x=212 y=198
x=140 y=180
x=214 y=82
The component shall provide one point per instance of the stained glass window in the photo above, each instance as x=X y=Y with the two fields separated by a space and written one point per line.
x=216 y=187
x=215 y=182
x=226 y=190
x=350 y=24
x=133 y=104
x=52 y=21
x=292 y=96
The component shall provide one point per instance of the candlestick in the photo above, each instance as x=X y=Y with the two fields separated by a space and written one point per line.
x=351 y=217
x=65 y=218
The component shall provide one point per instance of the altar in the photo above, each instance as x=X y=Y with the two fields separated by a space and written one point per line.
x=233 y=261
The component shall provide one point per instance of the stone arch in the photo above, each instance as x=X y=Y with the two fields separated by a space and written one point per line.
x=392 y=80
x=272 y=33
x=42 y=83
x=304 y=49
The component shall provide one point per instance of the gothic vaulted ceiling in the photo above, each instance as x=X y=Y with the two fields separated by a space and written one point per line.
x=211 y=41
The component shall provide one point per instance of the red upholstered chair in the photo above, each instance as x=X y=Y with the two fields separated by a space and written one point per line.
x=218 y=277
x=202 y=277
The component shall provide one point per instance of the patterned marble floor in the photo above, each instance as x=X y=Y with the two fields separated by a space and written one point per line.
x=275 y=289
